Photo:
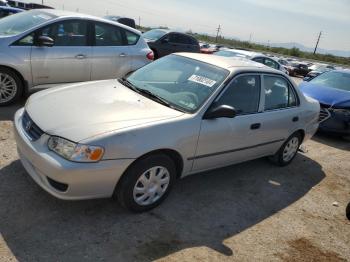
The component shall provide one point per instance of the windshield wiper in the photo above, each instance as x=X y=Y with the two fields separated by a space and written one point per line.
x=146 y=92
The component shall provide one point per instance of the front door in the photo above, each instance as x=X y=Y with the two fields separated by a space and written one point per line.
x=226 y=141
x=68 y=60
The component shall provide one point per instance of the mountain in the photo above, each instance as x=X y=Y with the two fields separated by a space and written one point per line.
x=310 y=49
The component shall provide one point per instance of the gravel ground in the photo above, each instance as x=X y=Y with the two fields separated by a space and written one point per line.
x=248 y=212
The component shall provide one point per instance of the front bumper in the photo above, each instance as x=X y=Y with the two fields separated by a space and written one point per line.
x=83 y=180
x=337 y=123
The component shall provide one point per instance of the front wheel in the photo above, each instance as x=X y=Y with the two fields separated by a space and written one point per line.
x=288 y=150
x=11 y=87
x=146 y=183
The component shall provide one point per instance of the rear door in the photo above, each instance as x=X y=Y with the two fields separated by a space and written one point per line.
x=68 y=60
x=111 y=54
x=281 y=110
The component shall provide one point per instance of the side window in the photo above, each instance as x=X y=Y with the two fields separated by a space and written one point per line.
x=259 y=60
x=25 y=41
x=271 y=63
x=131 y=37
x=174 y=38
x=243 y=94
x=183 y=39
x=108 y=35
x=67 y=33
x=278 y=93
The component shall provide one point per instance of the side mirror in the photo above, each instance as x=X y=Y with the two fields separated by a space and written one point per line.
x=220 y=111
x=45 y=41
x=307 y=78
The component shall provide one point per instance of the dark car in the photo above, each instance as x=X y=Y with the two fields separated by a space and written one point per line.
x=332 y=90
x=123 y=20
x=6 y=11
x=295 y=69
x=316 y=70
x=164 y=42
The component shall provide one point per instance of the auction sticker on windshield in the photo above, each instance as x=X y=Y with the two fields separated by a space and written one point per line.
x=202 y=80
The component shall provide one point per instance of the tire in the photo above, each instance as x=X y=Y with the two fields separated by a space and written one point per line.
x=11 y=87
x=348 y=211
x=140 y=188
x=283 y=157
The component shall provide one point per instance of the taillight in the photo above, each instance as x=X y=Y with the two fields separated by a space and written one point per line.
x=150 y=56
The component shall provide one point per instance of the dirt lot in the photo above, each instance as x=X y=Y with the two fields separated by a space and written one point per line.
x=249 y=212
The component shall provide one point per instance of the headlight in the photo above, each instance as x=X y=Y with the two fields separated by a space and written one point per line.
x=75 y=152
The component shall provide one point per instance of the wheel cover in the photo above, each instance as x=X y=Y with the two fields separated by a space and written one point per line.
x=290 y=149
x=151 y=185
x=8 y=88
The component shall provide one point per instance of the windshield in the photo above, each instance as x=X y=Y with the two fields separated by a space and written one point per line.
x=338 y=80
x=19 y=23
x=154 y=34
x=182 y=82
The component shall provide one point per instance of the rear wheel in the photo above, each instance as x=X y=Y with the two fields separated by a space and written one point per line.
x=11 y=87
x=288 y=150
x=146 y=183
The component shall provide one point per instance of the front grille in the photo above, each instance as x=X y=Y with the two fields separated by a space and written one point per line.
x=30 y=128
x=324 y=115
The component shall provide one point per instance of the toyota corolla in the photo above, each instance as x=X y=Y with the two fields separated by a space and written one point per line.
x=183 y=114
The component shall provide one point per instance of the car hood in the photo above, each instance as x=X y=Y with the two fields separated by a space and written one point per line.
x=326 y=95
x=80 y=111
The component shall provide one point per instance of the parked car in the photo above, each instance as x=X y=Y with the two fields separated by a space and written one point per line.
x=295 y=69
x=6 y=11
x=332 y=90
x=207 y=49
x=182 y=114
x=257 y=57
x=316 y=70
x=164 y=42
x=123 y=20
x=47 y=47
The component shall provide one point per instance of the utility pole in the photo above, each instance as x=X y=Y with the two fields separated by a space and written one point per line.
x=217 y=33
x=250 y=38
x=139 y=21
x=318 y=40
x=42 y=2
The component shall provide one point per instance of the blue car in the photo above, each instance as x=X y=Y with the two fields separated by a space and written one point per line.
x=332 y=90
x=7 y=10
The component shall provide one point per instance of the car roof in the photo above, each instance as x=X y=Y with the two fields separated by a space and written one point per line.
x=68 y=14
x=229 y=63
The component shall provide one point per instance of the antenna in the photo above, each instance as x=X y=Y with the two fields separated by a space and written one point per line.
x=318 y=40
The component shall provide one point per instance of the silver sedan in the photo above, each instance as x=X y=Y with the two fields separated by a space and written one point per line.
x=183 y=114
x=49 y=47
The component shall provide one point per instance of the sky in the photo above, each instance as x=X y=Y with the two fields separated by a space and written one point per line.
x=274 y=21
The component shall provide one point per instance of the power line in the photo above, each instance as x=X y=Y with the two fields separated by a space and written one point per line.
x=318 y=40
x=217 y=33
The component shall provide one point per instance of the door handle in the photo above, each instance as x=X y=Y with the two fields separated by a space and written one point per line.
x=295 y=119
x=255 y=126
x=80 y=56
x=122 y=55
